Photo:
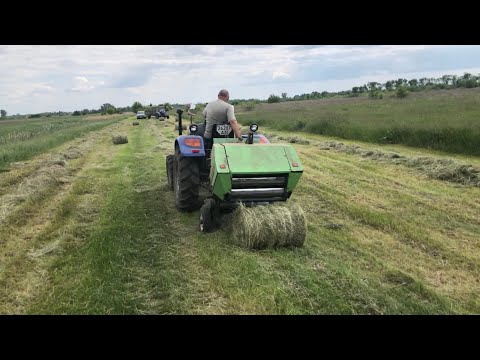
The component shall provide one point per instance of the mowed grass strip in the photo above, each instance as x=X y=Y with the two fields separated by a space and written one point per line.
x=34 y=205
x=24 y=141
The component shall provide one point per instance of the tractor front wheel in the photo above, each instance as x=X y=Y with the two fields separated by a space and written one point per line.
x=186 y=182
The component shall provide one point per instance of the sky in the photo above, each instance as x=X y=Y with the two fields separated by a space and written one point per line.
x=44 y=78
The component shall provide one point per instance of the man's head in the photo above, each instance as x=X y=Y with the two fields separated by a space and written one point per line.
x=223 y=95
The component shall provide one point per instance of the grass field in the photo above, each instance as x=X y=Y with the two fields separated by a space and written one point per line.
x=88 y=227
x=446 y=120
x=22 y=139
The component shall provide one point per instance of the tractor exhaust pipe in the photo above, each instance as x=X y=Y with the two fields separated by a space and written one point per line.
x=179 y=112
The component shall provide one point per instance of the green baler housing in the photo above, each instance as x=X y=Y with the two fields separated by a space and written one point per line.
x=250 y=172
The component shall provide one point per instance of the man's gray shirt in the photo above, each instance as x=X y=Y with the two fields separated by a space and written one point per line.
x=217 y=112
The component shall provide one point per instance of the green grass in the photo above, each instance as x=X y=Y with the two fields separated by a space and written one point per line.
x=441 y=120
x=25 y=139
x=381 y=239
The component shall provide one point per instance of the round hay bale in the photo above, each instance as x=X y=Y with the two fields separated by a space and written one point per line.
x=184 y=127
x=119 y=139
x=269 y=226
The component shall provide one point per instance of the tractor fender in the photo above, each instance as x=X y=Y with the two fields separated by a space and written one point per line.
x=188 y=150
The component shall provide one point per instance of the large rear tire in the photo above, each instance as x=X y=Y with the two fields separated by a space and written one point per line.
x=169 y=165
x=186 y=182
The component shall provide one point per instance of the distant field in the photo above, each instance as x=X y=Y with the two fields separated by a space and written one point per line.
x=21 y=139
x=447 y=120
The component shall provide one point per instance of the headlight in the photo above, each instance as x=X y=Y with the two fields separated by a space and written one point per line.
x=193 y=128
x=254 y=127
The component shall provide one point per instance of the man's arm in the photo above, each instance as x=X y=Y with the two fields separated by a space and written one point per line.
x=236 y=128
x=233 y=122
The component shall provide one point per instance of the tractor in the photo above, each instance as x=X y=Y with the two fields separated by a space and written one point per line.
x=231 y=172
x=159 y=112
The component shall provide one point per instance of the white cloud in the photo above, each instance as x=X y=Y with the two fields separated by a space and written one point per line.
x=81 y=79
x=51 y=78
x=280 y=74
x=81 y=84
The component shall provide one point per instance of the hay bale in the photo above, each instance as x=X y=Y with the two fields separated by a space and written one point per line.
x=119 y=139
x=268 y=226
x=184 y=127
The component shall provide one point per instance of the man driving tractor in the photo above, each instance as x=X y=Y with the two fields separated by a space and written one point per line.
x=219 y=112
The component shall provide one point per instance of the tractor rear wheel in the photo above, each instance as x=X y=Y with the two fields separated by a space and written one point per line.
x=169 y=167
x=186 y=182
x=207 y=211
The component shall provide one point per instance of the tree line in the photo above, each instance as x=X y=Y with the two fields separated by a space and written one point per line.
x=399 y=87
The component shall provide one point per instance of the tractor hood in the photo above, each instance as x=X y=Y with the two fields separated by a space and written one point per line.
x=261 y=158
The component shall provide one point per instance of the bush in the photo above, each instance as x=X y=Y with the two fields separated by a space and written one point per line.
x=273 y=99
x=401 y=92
x=375 y=94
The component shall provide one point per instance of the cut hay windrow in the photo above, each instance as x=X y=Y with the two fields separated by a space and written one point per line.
x=439 y=169
x=28 y=180
x=268 y=226
x=295 y=140
x=50 y=175
x=165 y=144
x=73 y=152
x=446 y=170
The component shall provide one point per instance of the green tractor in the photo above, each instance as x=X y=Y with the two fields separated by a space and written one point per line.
x=251 y=172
